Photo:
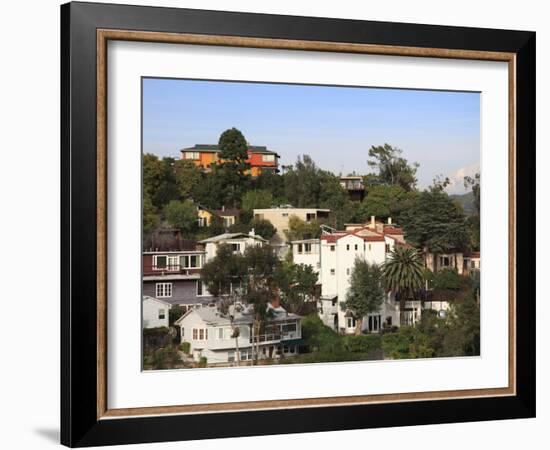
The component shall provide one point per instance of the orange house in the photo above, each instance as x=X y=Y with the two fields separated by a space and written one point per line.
x=259 y=157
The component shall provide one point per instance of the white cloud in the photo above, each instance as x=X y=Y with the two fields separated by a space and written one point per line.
x=456 y=185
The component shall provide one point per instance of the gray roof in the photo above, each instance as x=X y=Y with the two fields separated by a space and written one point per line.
x=227 y=236
x=212 y=316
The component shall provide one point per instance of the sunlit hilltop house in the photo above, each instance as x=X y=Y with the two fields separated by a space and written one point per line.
x=260 y=158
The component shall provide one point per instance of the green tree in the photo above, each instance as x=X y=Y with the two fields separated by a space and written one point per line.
x=181 y=215
x=232 y=169
x=435 y=222
x=257 y=199
x=233 y=148
x=297 y=283
x=159 y=181
x=385 y=201
x=473 y=221
x=225 y=270
x=392 y=167
x=300 y=229
x=302 y=183
x=334 y=197
x=263 y=227
x=261 y=264
x=365 y=294
x=151 y=219
x=403 y=274
x=187 y=176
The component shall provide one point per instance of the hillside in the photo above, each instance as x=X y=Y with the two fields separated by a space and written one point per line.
x=466 y=200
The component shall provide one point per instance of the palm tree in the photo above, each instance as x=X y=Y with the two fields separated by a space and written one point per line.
x=403 y=274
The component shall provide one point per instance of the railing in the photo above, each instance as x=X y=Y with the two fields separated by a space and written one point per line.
x=170 y=269
x=273 y=337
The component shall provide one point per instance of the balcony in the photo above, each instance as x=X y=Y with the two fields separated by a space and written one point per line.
x=169 y=269
x=275 y=337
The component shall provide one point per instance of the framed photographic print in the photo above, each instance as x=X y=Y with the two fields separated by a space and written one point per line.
x=276 y=224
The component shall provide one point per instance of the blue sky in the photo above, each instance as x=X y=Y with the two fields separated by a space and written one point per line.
x=336 y=126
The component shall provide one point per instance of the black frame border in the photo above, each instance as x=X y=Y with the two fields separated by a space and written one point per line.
x=79 y=424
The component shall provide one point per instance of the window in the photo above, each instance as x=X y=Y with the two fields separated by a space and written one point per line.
x=300 y=248
x=235 y=247
x=162 y=314
x=347 y=247
x=332 y=271
x=195 y=334
x=370 y=247
x=230 y=356
x=163 y=290
x=191 y=155
x=351 y=322
x=160 y=262
x=190 y=261
x=348 y=271
x=356 y=247
x=289 y=327
x=284 y=214
x=220 y=333
x=444 y=261
x=201 y=334
x=310 y=217
x=388 y=248
x=286 y=349
x=292 y=348
x=227 y=221
x=268 y=158
x=259 y=216
x=307 y=248
x=332 y=248
x=473 y=264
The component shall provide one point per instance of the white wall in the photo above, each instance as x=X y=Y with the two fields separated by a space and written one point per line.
x=30 y=139
x=151 y=310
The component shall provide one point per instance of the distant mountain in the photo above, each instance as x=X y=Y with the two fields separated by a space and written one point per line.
x=466 y=200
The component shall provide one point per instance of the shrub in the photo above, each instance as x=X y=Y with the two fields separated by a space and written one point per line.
x=185 y=347
x=202 y=361
x=362 y=344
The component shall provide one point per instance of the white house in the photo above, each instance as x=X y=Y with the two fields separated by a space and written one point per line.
x=155 y=312
x=333 y=257
x=210 y=334
x=239 y=242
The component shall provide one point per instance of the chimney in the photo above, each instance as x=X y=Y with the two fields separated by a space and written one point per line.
x=252 y=233
x=372 y=222
x=223 y=207
x=389 y=220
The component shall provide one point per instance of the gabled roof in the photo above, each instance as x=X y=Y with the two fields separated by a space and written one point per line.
x=212 y=148
x=228 y=236
x=366 y=233
x=226 y=212
x=154 y=299
x=212 y=316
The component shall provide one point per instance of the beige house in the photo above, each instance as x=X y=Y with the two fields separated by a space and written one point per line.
x=280 y=216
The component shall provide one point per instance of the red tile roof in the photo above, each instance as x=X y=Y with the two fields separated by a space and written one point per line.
x=393 y=230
